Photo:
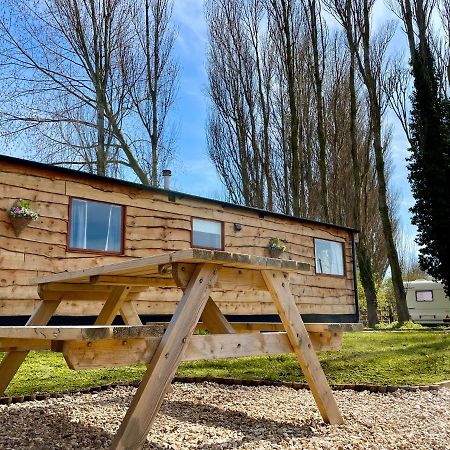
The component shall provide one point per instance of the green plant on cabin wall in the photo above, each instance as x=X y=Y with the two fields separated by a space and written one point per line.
x=277 y=244
x=22 y=208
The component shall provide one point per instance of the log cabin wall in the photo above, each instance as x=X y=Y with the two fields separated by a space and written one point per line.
x=155 y=223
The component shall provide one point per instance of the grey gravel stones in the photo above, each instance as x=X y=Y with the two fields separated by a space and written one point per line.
x=209 y=416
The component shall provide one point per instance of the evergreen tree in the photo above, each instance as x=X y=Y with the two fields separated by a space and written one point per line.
x=429 y=166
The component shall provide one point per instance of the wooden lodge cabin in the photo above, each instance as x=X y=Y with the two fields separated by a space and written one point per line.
x=87 y=220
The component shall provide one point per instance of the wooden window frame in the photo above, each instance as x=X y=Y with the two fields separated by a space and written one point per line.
x=425 y=290
x=222 y=231
x=344 y=275
x=90 y=250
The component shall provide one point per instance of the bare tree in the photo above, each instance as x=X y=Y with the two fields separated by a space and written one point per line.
x=370 y=52
x=67 y=66
x=284 y=25
x=317 y=33
x=398 y=87
x=153 y=83
x=239 y=88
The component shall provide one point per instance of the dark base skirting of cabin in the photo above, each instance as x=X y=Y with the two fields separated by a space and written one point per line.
x=89 y=320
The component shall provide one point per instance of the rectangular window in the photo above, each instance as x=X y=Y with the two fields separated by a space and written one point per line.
x=96 y=226
x=329 y=257
x=424 y=296
x=207 y=234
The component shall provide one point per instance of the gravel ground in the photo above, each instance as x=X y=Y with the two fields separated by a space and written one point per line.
x=209 y=416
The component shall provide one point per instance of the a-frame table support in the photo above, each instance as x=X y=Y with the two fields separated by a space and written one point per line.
x=149 y=396
x=278 y=286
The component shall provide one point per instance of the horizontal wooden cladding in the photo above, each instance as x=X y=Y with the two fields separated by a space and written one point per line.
x=34 y=239
x=24 y=307
x=154 y=225
x=141 y=199
x=155 y=295
x=37 y=181
x=51 y=224
x=25 y=191
x=156 y=298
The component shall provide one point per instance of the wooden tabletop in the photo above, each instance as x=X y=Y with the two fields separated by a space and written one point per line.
x=151 y=266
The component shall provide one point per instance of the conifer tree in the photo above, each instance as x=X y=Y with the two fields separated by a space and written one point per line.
x=429 y=166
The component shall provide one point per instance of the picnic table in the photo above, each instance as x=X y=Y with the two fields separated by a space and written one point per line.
x=198 y=273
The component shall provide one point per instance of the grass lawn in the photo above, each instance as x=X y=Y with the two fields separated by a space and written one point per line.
x=381 y=357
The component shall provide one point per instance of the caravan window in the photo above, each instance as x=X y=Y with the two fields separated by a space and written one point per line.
x=96 y=226
x=329 y=257
x=424 y=296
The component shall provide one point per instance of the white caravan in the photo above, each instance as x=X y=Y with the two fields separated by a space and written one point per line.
x=427 y=302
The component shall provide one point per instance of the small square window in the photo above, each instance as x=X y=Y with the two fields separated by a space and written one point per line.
x=424 y=296
x=329 y=257
x=95 y=226
x=207 y=234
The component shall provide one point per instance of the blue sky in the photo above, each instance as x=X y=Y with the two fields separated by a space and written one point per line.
x=192 y=169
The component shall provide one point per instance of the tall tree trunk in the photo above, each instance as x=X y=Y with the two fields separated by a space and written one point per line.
x=375 y=112
x=152 y=48
x=282 y=13
x=314 y=33
x=367 y=281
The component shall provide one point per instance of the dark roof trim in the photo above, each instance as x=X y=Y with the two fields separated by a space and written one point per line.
x=172 y=194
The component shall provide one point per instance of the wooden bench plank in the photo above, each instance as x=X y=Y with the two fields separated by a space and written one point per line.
x=310 y=327
x=124 y=351
x=245 y=327
x=76 y=333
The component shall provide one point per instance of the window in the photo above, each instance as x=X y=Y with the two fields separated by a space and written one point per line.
x=424 y=296
x=207 y=234
x=329 y=257
x=96 y=226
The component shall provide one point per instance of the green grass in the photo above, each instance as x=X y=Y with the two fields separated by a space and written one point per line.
x=408 y=358
x=408 y=326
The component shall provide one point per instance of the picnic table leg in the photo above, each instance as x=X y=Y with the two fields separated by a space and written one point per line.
x=129 y=314
x=149 y=396
x=214 y=320
x=278 y=285
x=112 y=305
x=13 y=360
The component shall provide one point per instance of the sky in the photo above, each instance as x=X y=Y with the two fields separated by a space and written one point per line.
x=192 y=170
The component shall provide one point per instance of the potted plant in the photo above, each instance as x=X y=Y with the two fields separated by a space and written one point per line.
x=21 y=215
x=276 y=247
